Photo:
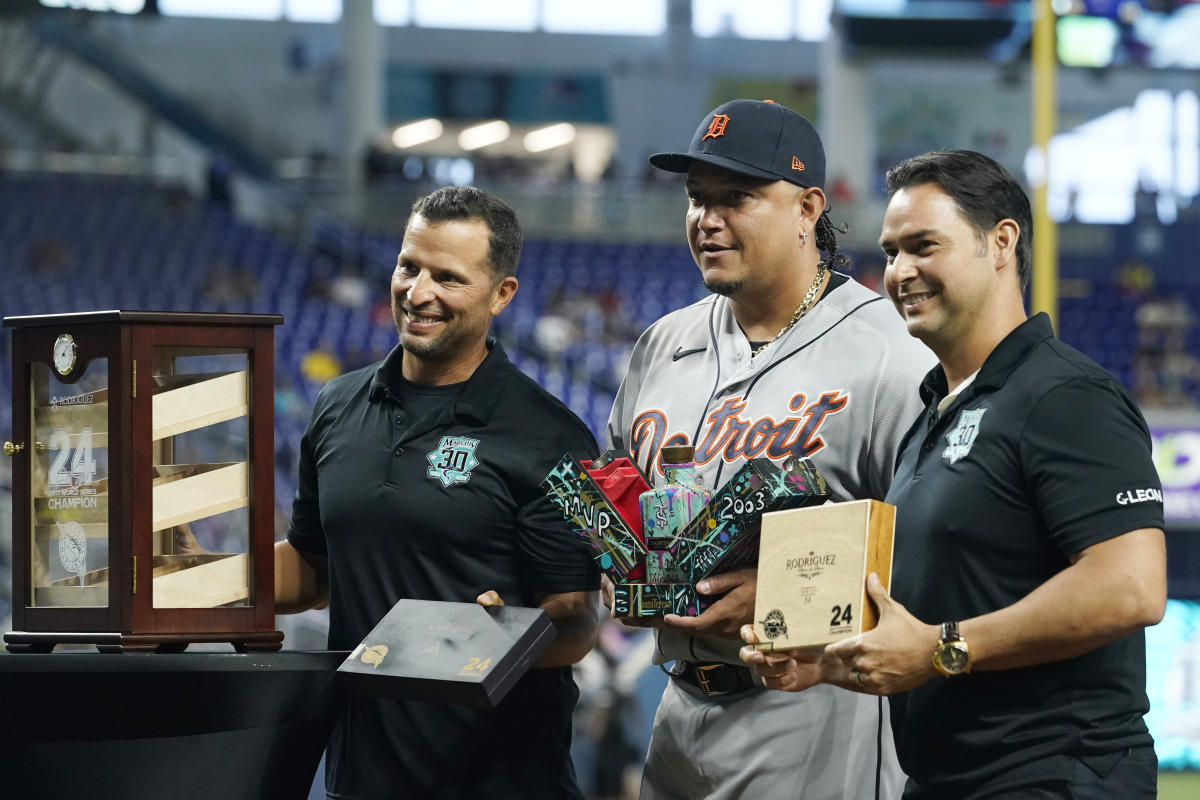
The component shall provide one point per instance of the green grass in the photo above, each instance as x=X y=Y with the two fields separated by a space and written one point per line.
x=1178 y=785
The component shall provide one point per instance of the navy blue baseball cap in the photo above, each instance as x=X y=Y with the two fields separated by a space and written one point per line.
x=754 y=137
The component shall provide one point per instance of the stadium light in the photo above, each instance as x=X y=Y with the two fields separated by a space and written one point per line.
x=549 y=137
x=116 y=6
x=479 y=136
x=419 y=132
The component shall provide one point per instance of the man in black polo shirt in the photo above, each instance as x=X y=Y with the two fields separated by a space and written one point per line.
x=1029 y=552
x=419 y=478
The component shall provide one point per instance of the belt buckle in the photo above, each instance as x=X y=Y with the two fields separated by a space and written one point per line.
x=702 y=671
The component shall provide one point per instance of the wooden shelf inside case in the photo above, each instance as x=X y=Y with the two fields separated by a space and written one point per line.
x=187 y=492
x=184 y=403
x=201 y=581
x=181 y=403
x=206 y=580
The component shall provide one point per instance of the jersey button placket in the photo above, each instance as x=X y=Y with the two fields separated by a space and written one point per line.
x=398 y=419
x=394 y=468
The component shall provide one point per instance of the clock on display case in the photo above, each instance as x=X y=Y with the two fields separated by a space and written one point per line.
x=64 y=354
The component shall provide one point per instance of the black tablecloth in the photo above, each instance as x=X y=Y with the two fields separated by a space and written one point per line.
x=187 y=726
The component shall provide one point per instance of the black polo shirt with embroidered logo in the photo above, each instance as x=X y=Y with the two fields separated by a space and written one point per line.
x=434 y=493
x=1042 y=456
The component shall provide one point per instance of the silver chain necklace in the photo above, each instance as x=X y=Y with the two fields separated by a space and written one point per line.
x=801 y=309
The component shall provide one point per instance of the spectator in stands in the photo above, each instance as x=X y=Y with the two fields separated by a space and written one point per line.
x=620 y=325
x=616 y=757
x=290 y=408
x=1166 y=374
x=318 y=285
x=869 y=272
x=220 y=182
x=320 y=365
x=177 y=200
x=617 y=764
x=49 y=256
x=1134 y=279
x=841 y=192
x=356 y=357
x=288 y=403
x=1163 y=322
x=226 y=285
x=381 y=315
x=348 y=288
x=557 y=328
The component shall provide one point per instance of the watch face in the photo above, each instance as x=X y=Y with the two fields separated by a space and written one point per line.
x=64 y=353
x=953 y=657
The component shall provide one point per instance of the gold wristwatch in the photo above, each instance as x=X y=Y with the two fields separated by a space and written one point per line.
x=951 y=656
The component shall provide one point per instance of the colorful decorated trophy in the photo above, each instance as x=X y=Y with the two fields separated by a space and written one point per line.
x=654 y=564
x=143 y=480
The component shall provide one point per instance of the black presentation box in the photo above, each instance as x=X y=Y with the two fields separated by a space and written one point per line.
x=458 y=653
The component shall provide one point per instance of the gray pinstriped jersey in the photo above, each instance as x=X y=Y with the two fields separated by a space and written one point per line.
x=839 y=387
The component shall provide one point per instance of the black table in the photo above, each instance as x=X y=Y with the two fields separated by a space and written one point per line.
x=186 y=726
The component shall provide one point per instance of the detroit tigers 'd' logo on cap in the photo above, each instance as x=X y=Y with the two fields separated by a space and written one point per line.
x=716 y=128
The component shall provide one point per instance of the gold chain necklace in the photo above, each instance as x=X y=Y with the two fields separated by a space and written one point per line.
x=801 y=309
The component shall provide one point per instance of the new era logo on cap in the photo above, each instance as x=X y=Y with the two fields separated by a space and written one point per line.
x=754 y=137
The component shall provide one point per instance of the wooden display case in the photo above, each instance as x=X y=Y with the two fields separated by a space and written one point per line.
x=143 y=480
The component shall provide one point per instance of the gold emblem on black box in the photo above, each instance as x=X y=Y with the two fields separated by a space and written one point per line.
x=374 y=654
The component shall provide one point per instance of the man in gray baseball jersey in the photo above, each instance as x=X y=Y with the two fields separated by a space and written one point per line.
x=787 y=357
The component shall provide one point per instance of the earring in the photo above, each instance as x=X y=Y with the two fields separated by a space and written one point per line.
x=803 y=238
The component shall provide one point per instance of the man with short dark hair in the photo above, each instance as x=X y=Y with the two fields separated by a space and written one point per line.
x=1029 y=550
x=420 y=478
x=788 y=357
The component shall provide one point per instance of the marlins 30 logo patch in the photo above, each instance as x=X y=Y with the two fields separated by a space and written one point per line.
x=962 y=436
x=452 y=461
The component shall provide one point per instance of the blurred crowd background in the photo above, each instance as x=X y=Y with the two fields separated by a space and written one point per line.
x=261 y=155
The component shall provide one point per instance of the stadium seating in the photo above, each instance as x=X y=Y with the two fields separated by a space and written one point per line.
x=81 y=243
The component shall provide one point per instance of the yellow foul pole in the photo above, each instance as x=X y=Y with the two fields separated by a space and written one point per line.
x=1045 y=108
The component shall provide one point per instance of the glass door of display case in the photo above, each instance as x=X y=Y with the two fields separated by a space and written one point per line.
x=201 y=478
x=67 y=499
x=69 y=487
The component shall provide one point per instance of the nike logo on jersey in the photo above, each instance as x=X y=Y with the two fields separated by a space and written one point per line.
x=732 y=437
x=680 y=352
